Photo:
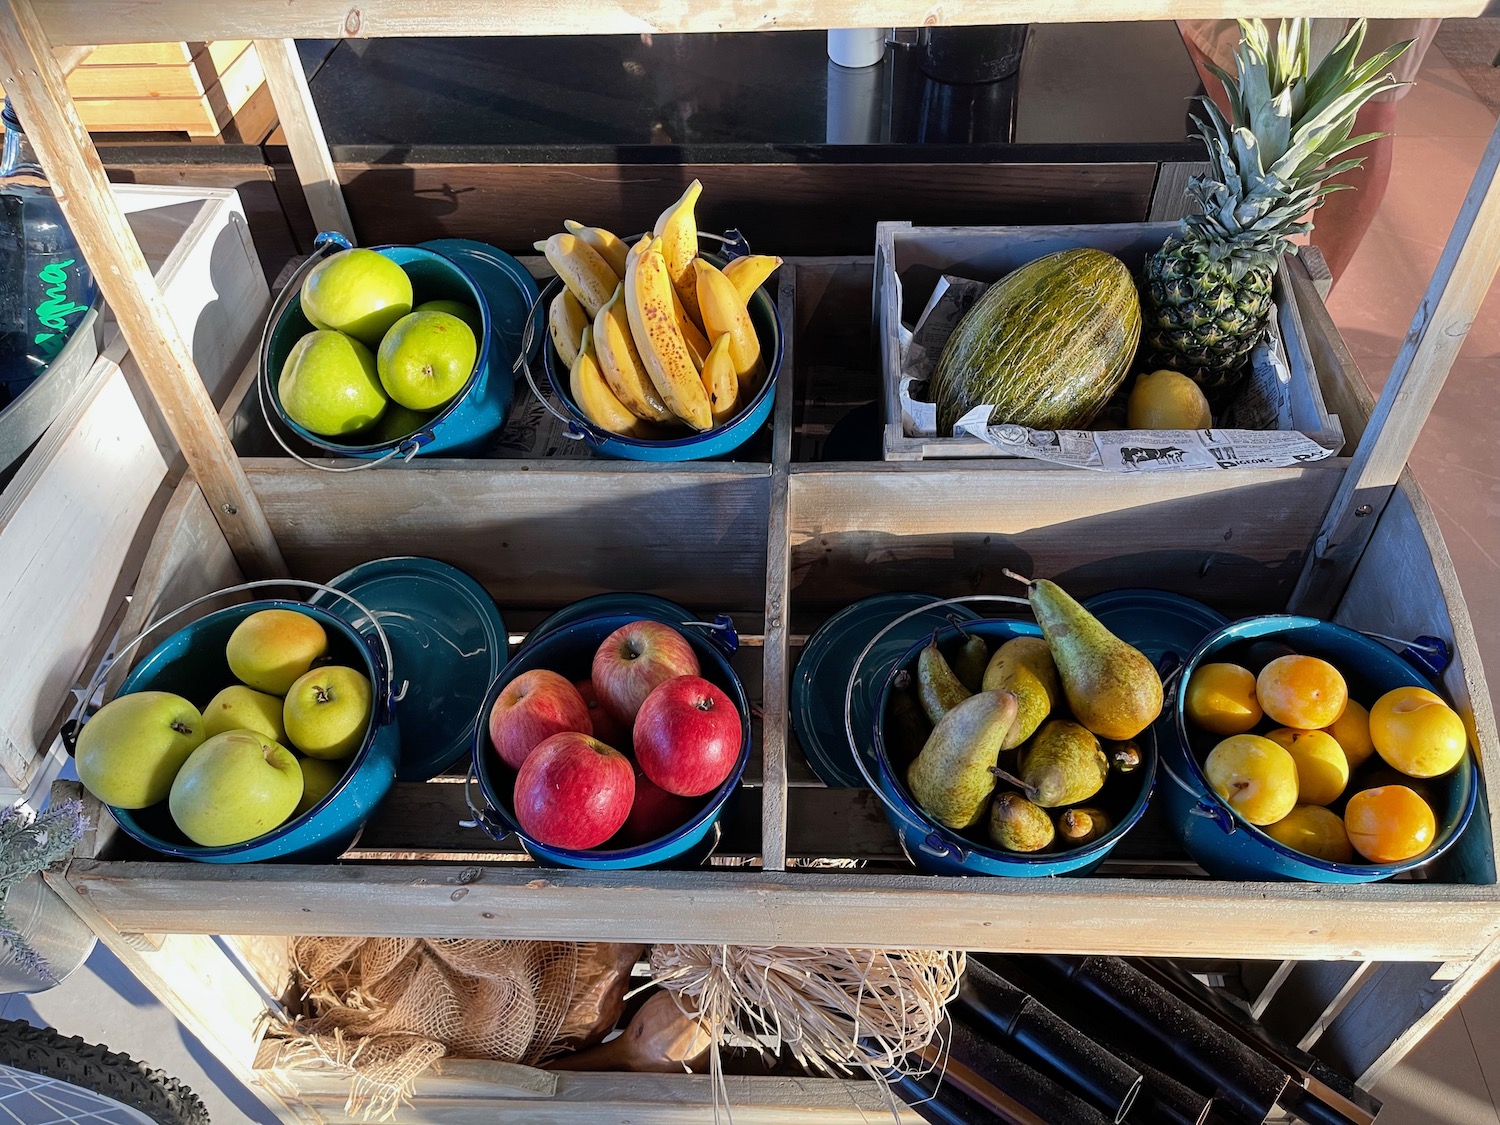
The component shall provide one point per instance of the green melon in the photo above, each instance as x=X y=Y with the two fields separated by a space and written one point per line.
x=1046 y=345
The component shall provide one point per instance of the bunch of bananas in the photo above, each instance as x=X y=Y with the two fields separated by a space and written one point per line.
x=653 y=335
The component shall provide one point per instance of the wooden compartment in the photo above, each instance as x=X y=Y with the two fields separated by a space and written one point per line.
x=195 y=88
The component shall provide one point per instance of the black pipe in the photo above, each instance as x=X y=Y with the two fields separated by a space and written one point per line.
x=1164 y=1100
x=1038 y=1092
x=1056 y=1045
x=938 y=1101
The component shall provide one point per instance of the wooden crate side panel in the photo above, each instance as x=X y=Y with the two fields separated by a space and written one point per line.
x=237 y=82
x=134 y=81
x=1234 y=540
x=535 y=534
x=140 y=54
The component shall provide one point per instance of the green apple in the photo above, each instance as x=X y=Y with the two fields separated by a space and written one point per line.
x=359 y=292
x=130 y=751
x=327 y=710
x=238 y=707
x=396 y=423
x=425 y=359
x=465 y=312
x=318 y=778
x=236 y=786
x=270 y=649
x=329 y=385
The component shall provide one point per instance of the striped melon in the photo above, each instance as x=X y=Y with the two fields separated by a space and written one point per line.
x=1045 y=346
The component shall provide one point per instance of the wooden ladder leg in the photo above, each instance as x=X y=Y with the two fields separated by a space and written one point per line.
x=34 y=81
x=304 y=134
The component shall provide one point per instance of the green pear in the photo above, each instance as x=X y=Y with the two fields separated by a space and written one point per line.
x=906 y=725
x=951 y=778
x=1062 y=765
x=970 y=663
x=1112 y=688
x=937 y=685
x=1017 y=825
x=1023 y=666
x=1077 y=827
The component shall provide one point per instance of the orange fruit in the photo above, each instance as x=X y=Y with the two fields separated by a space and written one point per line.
x=1255 y=777
x=1315 y=831
x=1303 y=692
x=1221 y=699
x=1417 y=733
x=1389 y=824
x=1351 y=731
x=1322 y=769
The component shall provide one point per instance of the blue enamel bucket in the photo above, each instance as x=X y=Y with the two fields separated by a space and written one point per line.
x=463 y=427
x=943 y=851
x=569 y=650
x=1228 y=847
x=723 y=438
x=191 y=663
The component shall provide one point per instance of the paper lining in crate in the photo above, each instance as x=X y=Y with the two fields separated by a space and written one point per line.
x=1278 y=420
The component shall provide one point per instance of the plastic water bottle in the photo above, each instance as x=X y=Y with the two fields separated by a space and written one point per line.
x=45 y=286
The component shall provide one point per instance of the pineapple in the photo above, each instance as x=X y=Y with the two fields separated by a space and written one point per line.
x=1208 y=289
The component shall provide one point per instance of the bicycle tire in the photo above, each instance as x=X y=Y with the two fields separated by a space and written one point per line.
x=44 y=1051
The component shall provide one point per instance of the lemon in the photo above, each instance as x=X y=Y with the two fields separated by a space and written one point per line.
x=1167 y=400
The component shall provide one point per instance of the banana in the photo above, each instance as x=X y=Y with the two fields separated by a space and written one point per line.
x=609 y=247
x=692 y=335
x=621 y=363
x=583 y=271
x=648 y=304
x=677 y=230
x=724 y=313
x=566 y=321
x=592 y=393
x=750 y=272
x=720 y=381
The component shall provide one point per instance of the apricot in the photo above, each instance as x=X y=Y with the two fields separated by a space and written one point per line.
x=1302 y=692
x=1322 y=769
x=1351 y=731
x=1221 y=699
x=1315 y=831
x=1254 y=776
x=1389 y=824
x=1417 y=733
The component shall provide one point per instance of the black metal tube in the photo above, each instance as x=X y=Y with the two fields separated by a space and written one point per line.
x=1038 y=1092
x=1164 y=1100
x=938 y=1101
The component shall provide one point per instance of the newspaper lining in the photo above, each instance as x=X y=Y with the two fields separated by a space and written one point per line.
x=1258 y=424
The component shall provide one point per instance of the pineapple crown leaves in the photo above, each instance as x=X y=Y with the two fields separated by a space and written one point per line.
x=1270 y=157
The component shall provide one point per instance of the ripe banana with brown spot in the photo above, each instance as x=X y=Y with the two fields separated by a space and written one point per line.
x=566 y=321
x=725 y=314
x=720 y=381
x=677 y=230
x=692 y=335
x=648 y=304
x=621 y=362
x=749 y=273
x=608 y=245
x=587 y=275
x=592 y=393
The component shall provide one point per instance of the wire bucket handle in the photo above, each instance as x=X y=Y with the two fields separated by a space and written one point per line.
x=384 y=658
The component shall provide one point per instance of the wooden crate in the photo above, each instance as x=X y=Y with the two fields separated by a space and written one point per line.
x=909 y=260
x=76 y=520
x=196 y=88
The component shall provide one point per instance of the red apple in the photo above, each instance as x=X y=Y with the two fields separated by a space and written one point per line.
x=607 y=729
x=532 y=708
x=574 y=791
x=687 y=736
x=654 y=813
x=634 y=659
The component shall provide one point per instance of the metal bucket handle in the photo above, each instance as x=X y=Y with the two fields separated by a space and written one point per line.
x=479 y=815
x=937 y=844
x=388 y=700
x=732 y=245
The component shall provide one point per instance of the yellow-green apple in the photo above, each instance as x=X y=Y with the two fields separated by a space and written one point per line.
x=465 y=312
x=574 y=792
x=329 y=385
x=634 y=659
x=359 y=292
x=236 y=786
x=530 y=709
x=654 y=813
x=425 y=359
x=271 y=648
x=607 y=729
x=327 y=711
x=396 y=423
x=687 y=736
x=238 y=707
x=318 y=779
x=130 y=751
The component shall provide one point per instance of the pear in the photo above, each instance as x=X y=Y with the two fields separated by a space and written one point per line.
x=1019 y=826
x=1124 y=757
x=1112 y=688
x=906 y=725
x=970 y=663
x=1077 y=827
x=1062 y=765
x=1023 y=666
x=937 y=685
x=951 y=778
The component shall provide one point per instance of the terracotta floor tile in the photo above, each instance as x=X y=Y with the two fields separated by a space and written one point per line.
x=1442 y=105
